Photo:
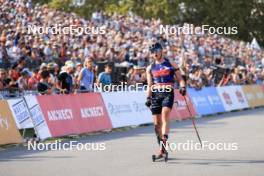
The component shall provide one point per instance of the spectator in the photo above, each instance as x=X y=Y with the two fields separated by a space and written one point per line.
x=126 y=40
x=86 y=76
x=33 y=80
x=23 y=80
x=43 y=86
x=104 y=78
x=65 y=79
x=3 y=79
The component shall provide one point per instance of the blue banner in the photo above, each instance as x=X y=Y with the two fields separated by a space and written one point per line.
x=200 y=102
x=214 y=99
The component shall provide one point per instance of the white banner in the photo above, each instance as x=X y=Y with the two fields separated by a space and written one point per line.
x=37 y=117
x=127 y=108
x=233 y=97
x=20 y=112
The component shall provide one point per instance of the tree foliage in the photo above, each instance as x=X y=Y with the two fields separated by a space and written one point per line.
x=247 y=15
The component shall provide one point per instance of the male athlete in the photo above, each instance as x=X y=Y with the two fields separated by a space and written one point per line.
x=160 y=94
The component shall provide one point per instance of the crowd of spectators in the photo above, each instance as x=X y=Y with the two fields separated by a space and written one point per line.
x=66 y=63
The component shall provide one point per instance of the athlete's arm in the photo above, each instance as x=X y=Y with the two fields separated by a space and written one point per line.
x=149 y=81
x=178 y=74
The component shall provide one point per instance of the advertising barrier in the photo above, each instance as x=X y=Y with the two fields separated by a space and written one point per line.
x=259 y=93
x=200 y=102
x=8 y=129
x=40 y=125
x=20 y=113
x=61 y=115
x=262 y=86
x=179 y=110
x=214 y=99
x=127 y=108
x=254 y=95
x=74 y=114
x=232 y=97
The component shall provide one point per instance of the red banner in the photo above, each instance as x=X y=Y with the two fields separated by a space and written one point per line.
x=180 y=110
x=74 y=114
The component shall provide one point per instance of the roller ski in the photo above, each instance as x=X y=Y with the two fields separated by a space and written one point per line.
x=160 y=156
x=163 y=154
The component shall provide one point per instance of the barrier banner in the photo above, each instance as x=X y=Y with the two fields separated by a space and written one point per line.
x=74 y=114
x=179 y=110
x=214 y=99
x=37 y=117
x=200 y=102
x=254 y=95
x=20 y=112
x=127 y=108
x=8 y=129
x=232 y=97
x=260 y=93
x=257 y=89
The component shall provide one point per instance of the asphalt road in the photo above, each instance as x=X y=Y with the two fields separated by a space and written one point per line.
x=129 y=152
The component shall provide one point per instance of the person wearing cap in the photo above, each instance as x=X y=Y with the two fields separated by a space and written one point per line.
x=135 y=76
x=65 y=79
x=160 y=93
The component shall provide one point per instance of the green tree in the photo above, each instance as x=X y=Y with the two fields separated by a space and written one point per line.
x=247 y=15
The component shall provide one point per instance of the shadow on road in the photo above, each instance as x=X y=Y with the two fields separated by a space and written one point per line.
x=218 y=162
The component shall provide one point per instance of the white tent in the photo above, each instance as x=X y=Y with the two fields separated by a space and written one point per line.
x=254 y=44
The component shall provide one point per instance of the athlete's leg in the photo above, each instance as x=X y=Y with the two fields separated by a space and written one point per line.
x=165 y=120
x=158 y=126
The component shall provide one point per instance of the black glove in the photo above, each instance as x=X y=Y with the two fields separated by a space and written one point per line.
x=148 y=102
x=183 y=91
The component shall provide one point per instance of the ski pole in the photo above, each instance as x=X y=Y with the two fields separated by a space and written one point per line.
x=193 y=121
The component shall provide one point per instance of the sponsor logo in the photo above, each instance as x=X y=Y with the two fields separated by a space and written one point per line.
x=200 y=101
x=139 y=107
x=250 y=96
x=60 y=114
x=119 y=108
x=214 y=100
x=92 y=112
x=4 y=123
x=181 y=105
x=240 y=97
x=227 y=98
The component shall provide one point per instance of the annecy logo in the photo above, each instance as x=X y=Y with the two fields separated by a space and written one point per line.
x=240 y=97
x=4 y=123
x=227 y=98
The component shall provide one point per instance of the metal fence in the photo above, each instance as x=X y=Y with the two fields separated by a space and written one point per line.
x=14 y=93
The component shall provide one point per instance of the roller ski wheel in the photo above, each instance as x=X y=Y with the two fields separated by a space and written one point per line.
x=160 y=156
